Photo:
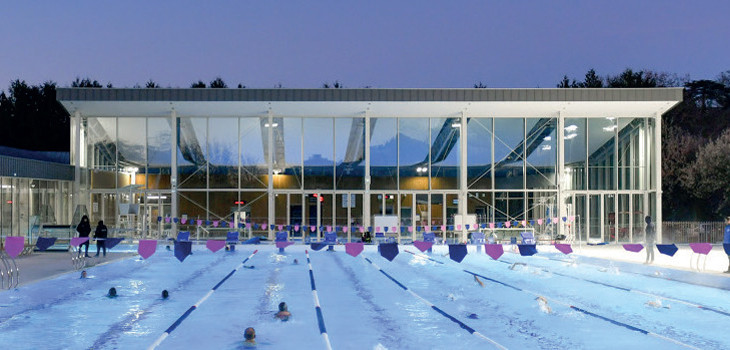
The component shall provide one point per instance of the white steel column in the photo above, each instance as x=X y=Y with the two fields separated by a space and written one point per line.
x=462 y=177
x=77 y=159
x=173 y=172
x=562 y=178
x=658 y=174
x=366 y=196
x=270 y=144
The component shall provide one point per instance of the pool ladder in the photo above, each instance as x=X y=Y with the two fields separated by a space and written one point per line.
x=78 y=260
x=9 y=272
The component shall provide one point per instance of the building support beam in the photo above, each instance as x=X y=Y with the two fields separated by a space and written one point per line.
x=366 y=196
x=173 y=172
x=562 y=178
x=658 y=175
x=272 y=204
x=77 y=160
x=463 y=191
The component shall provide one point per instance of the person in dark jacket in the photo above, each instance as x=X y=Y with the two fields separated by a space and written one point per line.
x=726 y=240
x=84 y=228
x=100 y=236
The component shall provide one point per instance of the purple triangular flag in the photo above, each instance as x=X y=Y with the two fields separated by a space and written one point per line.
x=353 y=249
x=14 y=245
x=44 y=243
x=388 y=250
x=147 y=247
x=494 y=250
x=667 y=249
x=633 y=247
x=76 y=241
x=215 y=245
x=527 y=249
x=701 y=248
x=182 y=250
x=457 y=252
x=283 y=244
x=112 y=242
x=564 y=248
x=422 y=246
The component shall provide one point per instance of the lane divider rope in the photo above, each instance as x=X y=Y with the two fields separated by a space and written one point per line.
x=196 y=305
x=317 y=307
x=436 y=308
x=618 y=323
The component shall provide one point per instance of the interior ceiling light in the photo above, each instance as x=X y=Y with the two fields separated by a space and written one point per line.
x=571 y=127
x=570 y=136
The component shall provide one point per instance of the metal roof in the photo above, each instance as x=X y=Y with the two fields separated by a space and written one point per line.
x=36 y=169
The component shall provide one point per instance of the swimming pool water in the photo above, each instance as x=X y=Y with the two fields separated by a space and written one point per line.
x=362 y=308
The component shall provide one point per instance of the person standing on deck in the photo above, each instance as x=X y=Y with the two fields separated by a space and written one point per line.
x=650 y=238
x=84 y=229
x=100 y=235
x=726 y=240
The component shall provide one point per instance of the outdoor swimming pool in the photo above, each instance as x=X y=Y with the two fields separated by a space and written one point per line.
x=596 y=307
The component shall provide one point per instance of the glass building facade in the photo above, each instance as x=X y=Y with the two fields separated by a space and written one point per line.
x=146 y=158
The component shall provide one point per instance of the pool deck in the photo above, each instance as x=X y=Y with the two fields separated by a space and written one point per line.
x=40 y=266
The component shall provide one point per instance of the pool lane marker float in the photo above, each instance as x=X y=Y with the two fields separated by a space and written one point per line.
x=586 y=312
x=192 y=308
x=436 y=308
x=685 y=302
x=317 y=307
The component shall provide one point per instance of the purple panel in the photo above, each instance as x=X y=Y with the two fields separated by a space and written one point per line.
x=76 y=241
x=353 y=249
x=422 y=246
x=317 y=246
x=112 y=242
x=146 y=248
x=564 y=248
x=494 y=250
x=283 y=244
x=527 y=249
x=633 y=247
x=215 y=245
x=701 y=248
x=14 y=246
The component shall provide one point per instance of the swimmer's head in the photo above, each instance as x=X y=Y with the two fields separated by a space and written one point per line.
x=282 y=306
x=83 y=274
x=112 y=292
x=296 y=261
x=249 y=334
x=165 y=294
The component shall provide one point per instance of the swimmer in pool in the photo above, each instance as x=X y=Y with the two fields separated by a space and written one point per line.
x=478 y=280
x=296 y=262
x=112 y=293
x=283 y=313
x=249 y=336
x=513 y=266
x=165 y=294
x=83 y=274
x=544 y=306
x=657 y=304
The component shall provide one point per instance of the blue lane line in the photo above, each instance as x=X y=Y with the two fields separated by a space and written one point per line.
x=195 y=307
x=610 y=320
x=435 y=308
x=317 y=306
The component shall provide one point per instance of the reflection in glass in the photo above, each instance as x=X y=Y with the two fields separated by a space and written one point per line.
x=509 y=151
x=601 y=153
x=288 y=165
x=159 y=157
x=542 y=152
x=413 y=153
x=318 y=153
x=254 y=165
x=479 y=153
x=383 y=153
x=445 y=148
x=223 y=152
x=192 y=163
x=350 y=153
x=574 y=136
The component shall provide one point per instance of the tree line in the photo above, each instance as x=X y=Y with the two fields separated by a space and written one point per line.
x=695 y=133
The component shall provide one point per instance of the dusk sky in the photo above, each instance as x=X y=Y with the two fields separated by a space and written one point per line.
x=382 y=44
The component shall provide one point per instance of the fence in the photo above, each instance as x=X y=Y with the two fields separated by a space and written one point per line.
x=692 y=231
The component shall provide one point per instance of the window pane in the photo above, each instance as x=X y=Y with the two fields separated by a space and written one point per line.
x=509 y=152
x=601 y=153
x=289 y=164
x=101 y=151
x=159 y=153
x=318 y=153
x=254 y=167
x=192 y=163
x=575 y=153
x=383 y=153
x=445 y=153
x=223 y=152
x=479 y=153
x=350 y=152
x=542 y=153
x=413 y=152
